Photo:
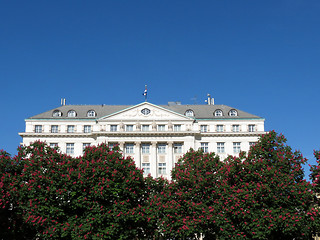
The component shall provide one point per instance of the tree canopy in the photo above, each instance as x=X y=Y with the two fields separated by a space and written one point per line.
x=261 y=194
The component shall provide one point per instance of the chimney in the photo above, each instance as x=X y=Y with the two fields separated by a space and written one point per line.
x=63 y=101
x=210 y=100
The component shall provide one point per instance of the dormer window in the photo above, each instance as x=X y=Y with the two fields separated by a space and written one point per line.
x=91 y=113
x=189 y=113
x=56 y=113
x=72 y=113
x=218 y=113
x=233 y=113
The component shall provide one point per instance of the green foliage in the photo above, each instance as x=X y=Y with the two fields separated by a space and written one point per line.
x=102 y=195
x=96 y=196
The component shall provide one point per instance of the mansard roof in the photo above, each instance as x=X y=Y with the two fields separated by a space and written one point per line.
x=200 y=111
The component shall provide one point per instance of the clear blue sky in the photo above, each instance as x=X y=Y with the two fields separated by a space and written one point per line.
x=262 y=57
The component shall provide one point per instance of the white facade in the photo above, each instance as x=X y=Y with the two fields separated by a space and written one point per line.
x=155 y=136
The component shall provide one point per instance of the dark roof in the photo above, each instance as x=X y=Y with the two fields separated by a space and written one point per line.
x=200 y=111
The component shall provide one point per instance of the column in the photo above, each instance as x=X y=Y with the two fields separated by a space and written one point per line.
x=153 y=160
x=170 y=159
x=137 y=154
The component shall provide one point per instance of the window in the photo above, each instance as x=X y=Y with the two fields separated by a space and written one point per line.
x=162 y=168
x=85 y=145
x=177 y=148
x=87 y=129
x=204 y=147
x=236 y=147
x=112 y=145
x=54 y=128
x=129 y=147
x=56 y=113
x=70 y=148
x=235 y=128
x=251 y=144
x=252 y=128
x=220 y=147
x=177 y=127
x=204 y=128
x=233 y=113
x=161 y=127
x=91 y=113
x=219 y=128
x=72 y=113
x=113 y=128
x=161 y=148
x=218 y=113
x=70 y=128
x=189 y=113
x=145 y=128
x=145 y=111
x=146 y=168
x=53 y=145
x=129 y=128
x=145 y=148
x=38 y=128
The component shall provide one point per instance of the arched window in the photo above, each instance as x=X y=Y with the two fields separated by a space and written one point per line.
x=56 y=113
x=72 y=113
x=233 y=113
x=218 y=113
x=91 y=113
x=189 y=113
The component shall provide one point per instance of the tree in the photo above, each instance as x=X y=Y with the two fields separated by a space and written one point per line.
x=265 y=194
x=189 y=202
x=96 y=196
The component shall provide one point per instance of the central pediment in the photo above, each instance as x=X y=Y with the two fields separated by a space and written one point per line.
x=145 y=111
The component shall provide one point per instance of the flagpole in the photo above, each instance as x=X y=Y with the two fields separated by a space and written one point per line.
x=145 y=93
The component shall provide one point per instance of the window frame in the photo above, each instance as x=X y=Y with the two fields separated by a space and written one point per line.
x=71 y=113
x=113 y=128
x=162 y=168
x=87 y=128
x=70 y=148
x=38 y=128
x=145 y=148
x=161 y=148
x=220 y=147
x=236 y=147
x=204 y=146
x=129 y=148
x=69 y=127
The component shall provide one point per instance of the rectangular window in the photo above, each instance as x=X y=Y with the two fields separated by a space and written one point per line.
x=70 y=129
x=252 y=128
x=112 y=145
x=236 y=147
x=87 y=128
x=219 y=128
x=129 y=128
x=145 y=148
x=38 y=128
x=220 y=147
x=54 y=128
x=235 y=128
x=70 y=148
x=162 y=168
x=204 y=147
x=146 y=168
x=177 y=148
x=129 y=147
x=161 y=128
x=204 y=128
x=113 y=128
x=52 y=145
x=84 y=145
x=161 y=148
x=145 y=128
x=177 y=127
x=251 y=144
